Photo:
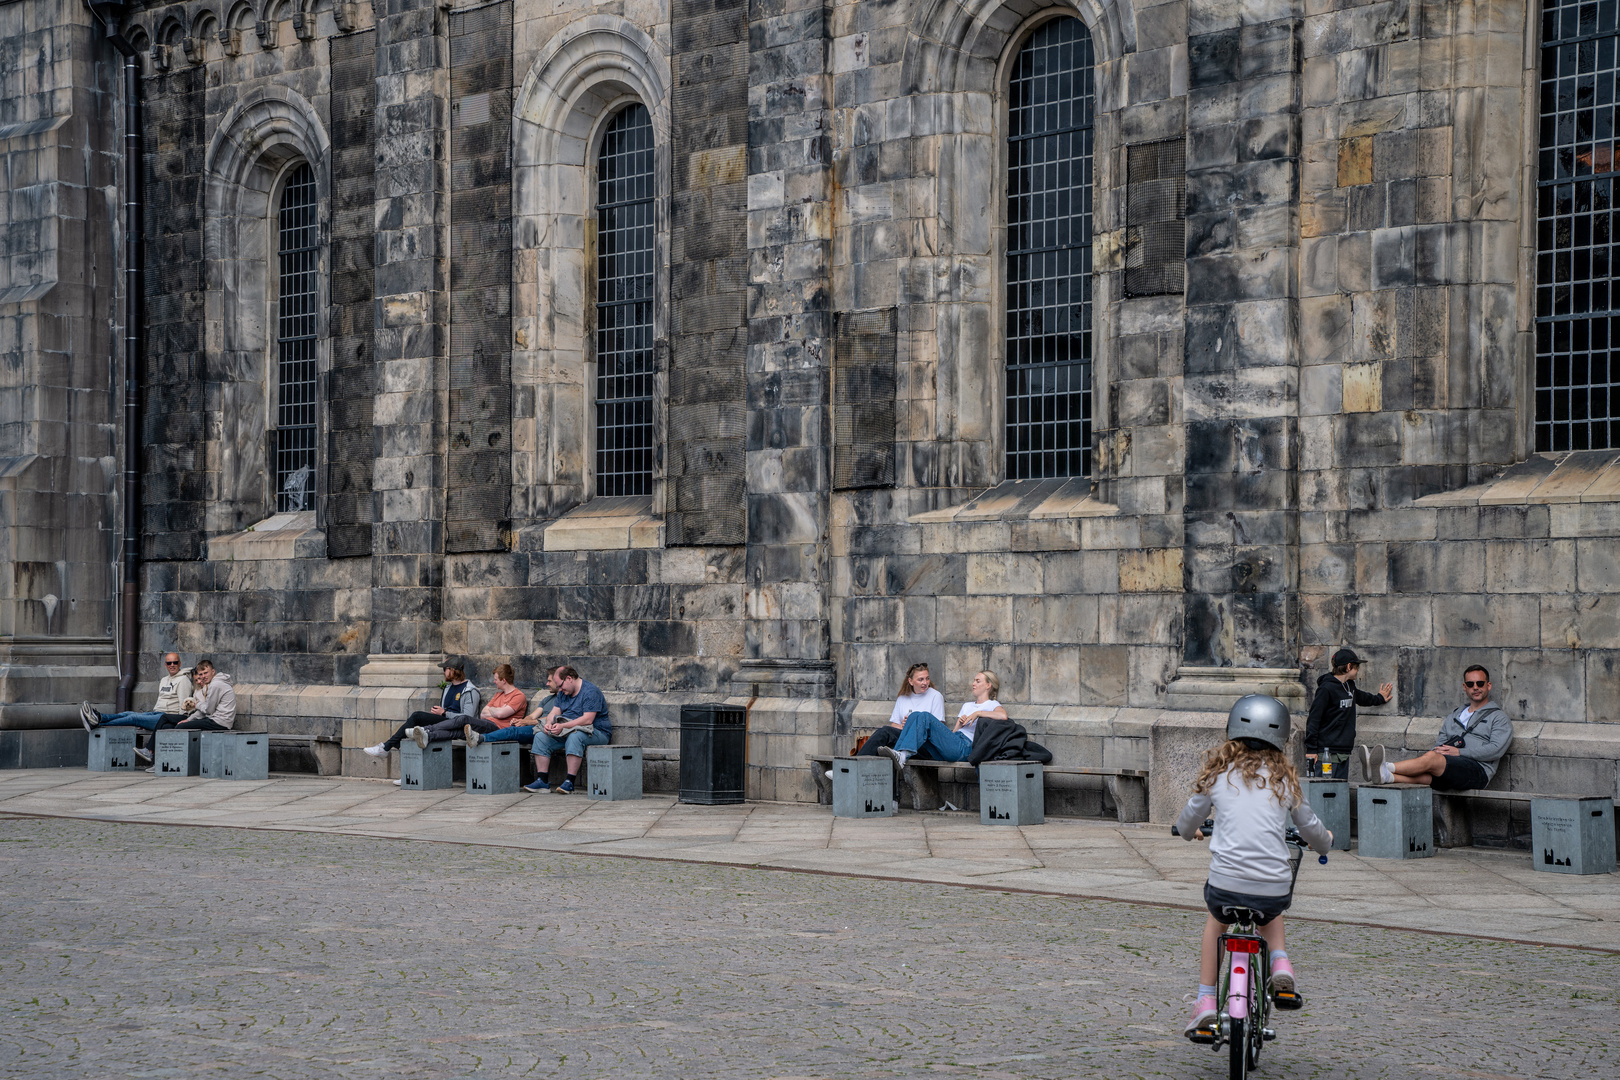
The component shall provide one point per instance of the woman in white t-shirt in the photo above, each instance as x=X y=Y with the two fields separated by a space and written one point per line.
x=917 y=694
x=954 y=742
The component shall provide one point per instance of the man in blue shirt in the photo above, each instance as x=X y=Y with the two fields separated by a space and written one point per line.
x=577 y=719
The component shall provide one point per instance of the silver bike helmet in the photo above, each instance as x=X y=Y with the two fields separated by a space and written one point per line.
x=1259 y=717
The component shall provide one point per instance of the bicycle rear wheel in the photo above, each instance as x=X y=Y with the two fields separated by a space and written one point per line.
x=1259 y=1011
x=1238 y=1050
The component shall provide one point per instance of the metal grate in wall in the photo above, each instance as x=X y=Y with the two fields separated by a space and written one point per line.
x=293 y=439
x=1050 y=114
x=1156 y=218
x=1577 y=307
x=625 y=369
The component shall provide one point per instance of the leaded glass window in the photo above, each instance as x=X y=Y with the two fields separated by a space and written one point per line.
x=1577 y=309
x=293 y=439
x=624 y=305
x=1049 y=146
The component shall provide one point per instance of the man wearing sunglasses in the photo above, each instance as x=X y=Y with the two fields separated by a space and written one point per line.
x=1471 y=743
x=173 y=689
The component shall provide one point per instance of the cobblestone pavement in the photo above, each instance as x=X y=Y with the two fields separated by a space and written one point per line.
x=1501 y=892
x=153 y=951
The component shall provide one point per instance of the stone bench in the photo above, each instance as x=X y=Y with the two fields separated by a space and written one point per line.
x=1453 y=827
x=318 y=754
x=921 y=778
x=660 y=767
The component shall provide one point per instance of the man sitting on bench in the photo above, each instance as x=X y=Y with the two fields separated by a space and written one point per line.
x=518 y=732
x=455 y=709
x=497 y=716
x=173 y=689
x=1471 y=743
x=578 y=719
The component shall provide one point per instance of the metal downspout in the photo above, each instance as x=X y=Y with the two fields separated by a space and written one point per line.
x=134 y=258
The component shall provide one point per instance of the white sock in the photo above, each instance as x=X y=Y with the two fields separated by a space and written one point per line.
x=902 y=755
x=1386 y=774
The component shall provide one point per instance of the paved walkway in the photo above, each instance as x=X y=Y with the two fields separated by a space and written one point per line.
x=1472 y=892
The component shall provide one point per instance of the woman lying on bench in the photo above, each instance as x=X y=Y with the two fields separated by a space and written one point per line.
x=953 y=743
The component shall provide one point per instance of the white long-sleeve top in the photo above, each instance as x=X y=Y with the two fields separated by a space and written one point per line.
x=1247 y=853
x=929 y=701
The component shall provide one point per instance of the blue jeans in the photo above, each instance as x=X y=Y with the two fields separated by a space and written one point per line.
x=515 y=733
x=147 y=720
x=573 y=744
x=925 y=729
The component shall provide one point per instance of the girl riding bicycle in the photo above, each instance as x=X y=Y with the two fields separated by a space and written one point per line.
x=1254 y=791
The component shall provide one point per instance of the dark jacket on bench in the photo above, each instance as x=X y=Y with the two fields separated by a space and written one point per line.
x=1004 y=740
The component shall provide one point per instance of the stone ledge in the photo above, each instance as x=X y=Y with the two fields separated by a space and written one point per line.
x=280 y=537
x=604 y=524
x=1580 y=476
x=1023 y=500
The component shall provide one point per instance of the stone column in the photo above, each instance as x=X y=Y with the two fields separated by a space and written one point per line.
x=411 y=276
x=1242 y=334
x=789 y=371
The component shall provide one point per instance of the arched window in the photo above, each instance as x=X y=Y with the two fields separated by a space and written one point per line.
x=625 y=192
x=1577 y=307
x=1049 y=140
x=293 y=440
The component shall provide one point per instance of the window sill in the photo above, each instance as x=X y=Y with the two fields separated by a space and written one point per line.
x=280 y=536
x=1578 y=476
x=1024 y=500
x=606 y=524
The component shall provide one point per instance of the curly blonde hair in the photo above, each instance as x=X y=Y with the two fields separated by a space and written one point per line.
x=1236 y=754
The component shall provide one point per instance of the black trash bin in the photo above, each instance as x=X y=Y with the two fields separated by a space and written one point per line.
x=714 y=753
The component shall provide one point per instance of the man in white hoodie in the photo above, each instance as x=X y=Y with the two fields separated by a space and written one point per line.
x=213 y=708
x=173 y=689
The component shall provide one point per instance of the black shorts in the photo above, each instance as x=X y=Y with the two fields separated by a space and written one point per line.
x=1462 y=774
x=1220 y=904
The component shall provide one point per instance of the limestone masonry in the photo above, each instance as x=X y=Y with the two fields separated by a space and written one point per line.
x=1142 y=352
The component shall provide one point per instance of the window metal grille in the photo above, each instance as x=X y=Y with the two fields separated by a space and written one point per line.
x=1050 y=112
x=293 y=441
x=1156 y=218
x=624 y=305
x=1577 y=309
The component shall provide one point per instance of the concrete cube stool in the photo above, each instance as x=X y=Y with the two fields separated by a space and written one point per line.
x=177 y=753
x=863 y=787
x=613 y=772
x=112 y=749
x=1011 y=793
x=1330 y=800
x=1572 y=836
x=492 y=768
x=234 y=755
x=432 y=769
x=1395 y=821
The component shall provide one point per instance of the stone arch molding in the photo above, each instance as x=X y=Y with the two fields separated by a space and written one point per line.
x=958 y=45
x=249 y=154
x=578 y=79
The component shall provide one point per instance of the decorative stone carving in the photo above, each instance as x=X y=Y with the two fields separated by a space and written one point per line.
x=347 y=16
x=194 y=48
x=268 y=32
x=304 y=25
x=231 y=42
x=160 y=57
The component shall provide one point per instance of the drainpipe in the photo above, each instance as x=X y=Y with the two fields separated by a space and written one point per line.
x=134 y=256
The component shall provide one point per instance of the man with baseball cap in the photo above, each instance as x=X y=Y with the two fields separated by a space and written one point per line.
x=1330 y=731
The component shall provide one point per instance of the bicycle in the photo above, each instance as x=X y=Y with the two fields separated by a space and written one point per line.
x=1244 y=961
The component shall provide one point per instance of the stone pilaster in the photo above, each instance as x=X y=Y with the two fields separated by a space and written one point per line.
x=1242 y=334
x=790 y=360
x=411 y=275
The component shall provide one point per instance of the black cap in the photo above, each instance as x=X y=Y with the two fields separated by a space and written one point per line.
x=1345 y=657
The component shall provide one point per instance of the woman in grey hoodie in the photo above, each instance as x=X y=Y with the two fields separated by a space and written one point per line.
x=1471 y=743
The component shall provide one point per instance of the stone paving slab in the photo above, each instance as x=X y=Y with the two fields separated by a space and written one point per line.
x=1472 y=892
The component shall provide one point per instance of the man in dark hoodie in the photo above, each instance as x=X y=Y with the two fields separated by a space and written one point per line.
x=1330 y=732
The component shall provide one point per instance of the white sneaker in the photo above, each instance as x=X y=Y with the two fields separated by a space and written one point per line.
x=418 y=736
x=376 y=751
x=829 y=774
x=473 y=738
x=1386 y=774
x=396 y=783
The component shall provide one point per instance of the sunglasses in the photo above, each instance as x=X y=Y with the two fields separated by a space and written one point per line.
x=171 y=663
x=1475 y=682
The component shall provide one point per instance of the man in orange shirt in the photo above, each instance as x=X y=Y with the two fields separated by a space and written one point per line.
x=517 y=730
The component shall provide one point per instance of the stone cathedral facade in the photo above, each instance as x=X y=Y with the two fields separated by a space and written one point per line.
x=1143 y=351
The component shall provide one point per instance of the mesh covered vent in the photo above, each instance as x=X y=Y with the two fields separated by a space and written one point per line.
x=1156 y=218
x=863 y=398
x=478 y=460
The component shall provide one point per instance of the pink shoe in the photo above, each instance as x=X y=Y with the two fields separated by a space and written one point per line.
x=1204 y=1015
x=1282 y=977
